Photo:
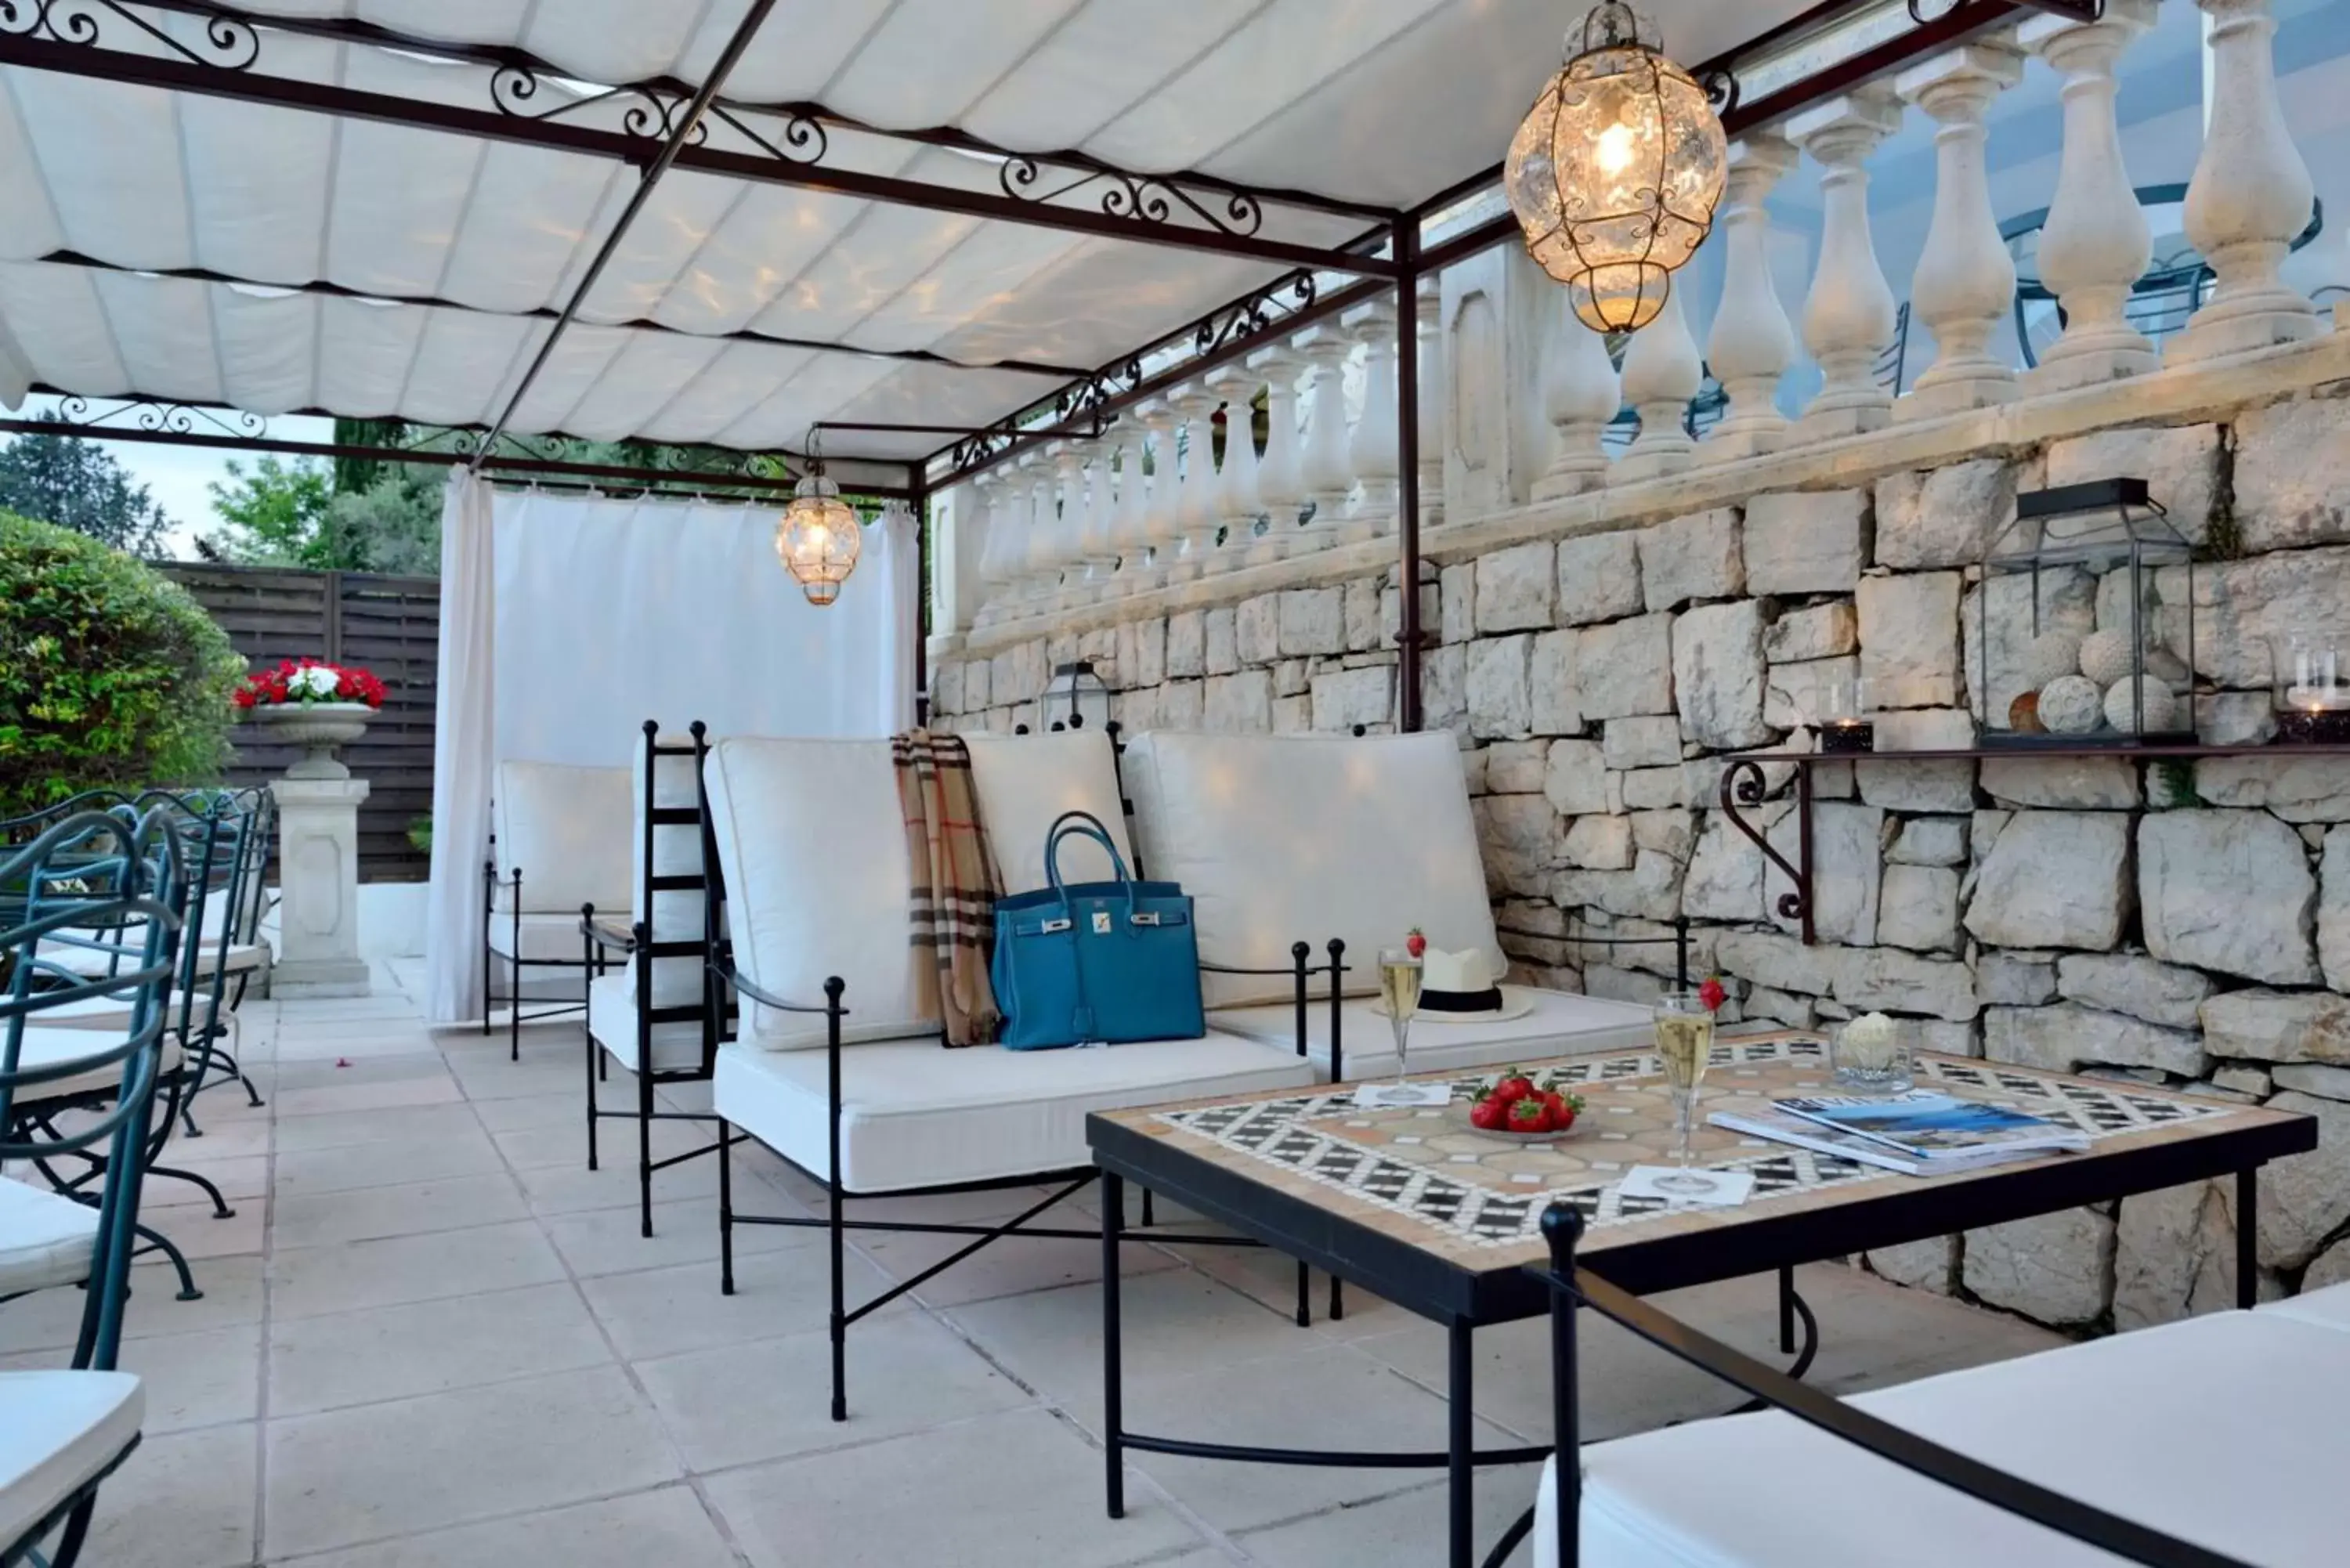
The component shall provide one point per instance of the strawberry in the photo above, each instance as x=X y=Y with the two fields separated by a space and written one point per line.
x=1513 y=1086
x=1562 y=1108
x=1489 y=1116
x=1713 y=994
x=1415 y=944
x=1529 y=1116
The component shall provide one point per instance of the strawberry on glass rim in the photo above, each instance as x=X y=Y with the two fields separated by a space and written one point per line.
x=1712 y=993
x=1416 y=944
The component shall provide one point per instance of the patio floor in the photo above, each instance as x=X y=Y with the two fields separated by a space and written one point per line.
x=430 y=1336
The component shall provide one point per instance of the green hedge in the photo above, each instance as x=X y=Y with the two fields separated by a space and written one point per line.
x=110 y=674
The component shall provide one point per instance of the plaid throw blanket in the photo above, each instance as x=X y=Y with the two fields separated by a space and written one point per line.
x=954 y=893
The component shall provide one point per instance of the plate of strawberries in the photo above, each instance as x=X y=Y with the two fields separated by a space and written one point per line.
x=1512 y=1107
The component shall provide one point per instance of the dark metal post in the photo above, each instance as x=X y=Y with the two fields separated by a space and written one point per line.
x=920 y=507
x=1786 y=1310
x=2248 y=1237
x=1408 y=631
x=832 y=990
x=587 y=1029
x=1803 y=851
x=1460 y=1444
x=725 y=1207
x=1561 y=1226
x=1337 y=1010
x=1113 y=1210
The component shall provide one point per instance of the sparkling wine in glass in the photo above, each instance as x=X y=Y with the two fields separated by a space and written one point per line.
x=1399 y=991
x=1685 y=1043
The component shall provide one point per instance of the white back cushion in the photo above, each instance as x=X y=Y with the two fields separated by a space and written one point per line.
x=813 y=847
x=1286 y=838
x=566 y=830
x=671 y=850
x=1024 y=782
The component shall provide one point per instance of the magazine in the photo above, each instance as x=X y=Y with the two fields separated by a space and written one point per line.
x=1935 y=1129
x=1767 y=1122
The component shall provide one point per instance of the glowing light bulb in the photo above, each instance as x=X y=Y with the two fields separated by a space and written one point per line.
x=1614 y=152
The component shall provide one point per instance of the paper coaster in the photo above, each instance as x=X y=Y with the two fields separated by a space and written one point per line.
x=1731 y=1188
x=1389 y=1096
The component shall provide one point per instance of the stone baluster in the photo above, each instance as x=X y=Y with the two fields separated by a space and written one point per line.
x=1041 y=567
x=1281 y=476
x=1848 y=316
x=1162 y=517
x=1434 y=435
x=1661 y=373
x=1581 y=392
x=1129 y=527
x=1069 y=523
x=1237 y=500
x=1096 y=555
x=1965 y=281
x=1195 y=496
x=1329 y=475
x=995 y=570
x=1752 y=342
x=2250 y=198
x=2095 y=243
x=1377 y=450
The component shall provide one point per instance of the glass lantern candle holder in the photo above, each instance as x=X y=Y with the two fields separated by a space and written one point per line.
x=1077 y=698
x=1842 y=714
x=1874 y=1055
x=2312 y=688
x=2081 y=628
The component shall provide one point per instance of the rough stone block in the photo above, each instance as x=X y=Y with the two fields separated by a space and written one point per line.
x=1390 y=627
x=1651 y=889
x=2052 y=1268
x=1223 y=642
x=2278 y=1027
x=1517 y=588
x=1362 y=615
x=1762 y=1004
x=2326 y=1082
x=1886 y=980
x=1717 y=674
x=1520 y=836
x=2251 y=1082
x=2333 y=909
x=1725 y=872
x=1921 y=1265
x=2133 y=983
x=1550 y=687
x=1651 y=741
x=1258 y=630
x=2330 y=1267
x=1930 y=841
x=1690 y=558
x=1458 y=587
x=2010 y=980
x=1576 y=782
x=1182 y=705
x=1846 y=865
x=1151 y=651
x=2227 y=890
x=1600 y=843
x=2054 y=879
x=2304 y=1199
x=2066 y=599
x=1625 y=668
x=1499 y=706
x=1599 y=578
x=2235 y=718
x=1444 y=688
x=1293 y=715
x=946 y=689
x=1239 y=704
x=2063 y=1037
x=1647 y=789
x=1312 y=621
x=1820 y=631
x=1516 y=767
x=2298 y=789
x=1781 y=962
x=1346 y=697
x=1806 y=542
x=1922 y=786
x=1290 y=677
x=1187 y=645
x=1909 y=640
x=1945 y=517
x=1796 y=695
x=2077 y=783
x=1918 y=908
x=2238 y=604
x=2174 y=1256
x=1669 y=830
x=2292 y=473
x=2180 y=465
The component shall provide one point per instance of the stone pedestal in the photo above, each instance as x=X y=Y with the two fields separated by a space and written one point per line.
x=319 y=913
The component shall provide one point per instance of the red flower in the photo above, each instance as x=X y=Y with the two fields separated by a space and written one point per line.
x=242 y=697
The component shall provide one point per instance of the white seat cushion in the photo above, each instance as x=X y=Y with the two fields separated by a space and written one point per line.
x=94 y=963
x=58 y=1432
x=1287 y=838
x=544 y=937
x=2224 y=1430
x=45 y=1239
x=1026 y=782
x=566 y=830
x=915 y=1114
x=612 y=1020
x=1561 y=1024
x=50 y=1047
x=2328 y=1307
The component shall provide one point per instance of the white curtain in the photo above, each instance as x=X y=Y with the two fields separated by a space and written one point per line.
x=463 y=760
x=900 y=565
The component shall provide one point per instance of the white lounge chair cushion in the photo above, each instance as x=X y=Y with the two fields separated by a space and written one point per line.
x=552 y=936
x=2225 y=1430
x=50 y=1047
x=917 y=1114
x=566 y=829
x=813 y=850
x=1561 y=1024
x=45 y=1239
x=58 y=1432
x=93 y=963
x=674 y=849
x=2328 y=1307
x=1026 y=782
x=612 y=1020
x=1286 y=838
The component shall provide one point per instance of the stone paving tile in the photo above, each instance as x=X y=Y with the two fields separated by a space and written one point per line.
x=430 y=1347
x=307 y=1281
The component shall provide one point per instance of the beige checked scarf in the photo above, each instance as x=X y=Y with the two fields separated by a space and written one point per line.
x=954 y=890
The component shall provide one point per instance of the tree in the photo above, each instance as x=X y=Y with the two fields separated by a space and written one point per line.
x=79 y=484
x=304 y=513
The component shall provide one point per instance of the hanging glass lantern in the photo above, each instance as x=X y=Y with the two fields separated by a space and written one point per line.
x=818 y=539
x=1616 y=172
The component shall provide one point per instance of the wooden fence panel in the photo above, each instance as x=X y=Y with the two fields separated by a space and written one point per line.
x=388 y=625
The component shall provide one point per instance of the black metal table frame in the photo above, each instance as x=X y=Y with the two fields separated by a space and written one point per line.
x=1462 y=1300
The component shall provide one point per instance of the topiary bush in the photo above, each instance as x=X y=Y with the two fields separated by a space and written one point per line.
x=110 y=674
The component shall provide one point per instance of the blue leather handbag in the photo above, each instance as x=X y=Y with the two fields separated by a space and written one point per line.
x=1098 y=962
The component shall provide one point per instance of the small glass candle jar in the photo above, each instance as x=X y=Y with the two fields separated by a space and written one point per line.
x=1873 y=1054
x=1841 y=708
x=2312 y=688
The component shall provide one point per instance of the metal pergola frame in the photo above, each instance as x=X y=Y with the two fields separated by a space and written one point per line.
x=666 y=124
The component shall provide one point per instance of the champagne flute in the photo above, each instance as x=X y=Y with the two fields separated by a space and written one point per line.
x=1399 y=991
x=1685 y=1043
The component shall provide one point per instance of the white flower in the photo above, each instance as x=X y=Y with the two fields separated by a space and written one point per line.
x=319 y=681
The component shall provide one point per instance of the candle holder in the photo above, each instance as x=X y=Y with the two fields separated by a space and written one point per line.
x=1840 y=712
x=2312 y=685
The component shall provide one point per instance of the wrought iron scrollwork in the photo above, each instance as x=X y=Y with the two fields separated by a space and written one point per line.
x=1102 y=387
x=2079 y=10
x=649 y=113
x=1257 y=313
x=148 y=414
x=1722 y=89
x=984 y=446
x=226 y=42
x=798 y=138
x=1744 y=784
x=1146 y=198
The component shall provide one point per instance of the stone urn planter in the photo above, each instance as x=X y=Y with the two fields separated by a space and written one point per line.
x=317 y=727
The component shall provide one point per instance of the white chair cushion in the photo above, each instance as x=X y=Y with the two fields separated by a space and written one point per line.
x=50 y=1047
x=612 y=1020
x=674 y=849
x=2328 y=1307
x=915 y=1114
x=813 y=850
x=566 y=830
x=2225 y=1430
x=1561 y=1024
x=550 y=936
x=1024 y=782
x=1286 y=838
x=45 y=1239
x=58 y=1432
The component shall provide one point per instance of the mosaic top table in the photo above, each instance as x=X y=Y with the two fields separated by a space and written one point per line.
x=1442 y=1219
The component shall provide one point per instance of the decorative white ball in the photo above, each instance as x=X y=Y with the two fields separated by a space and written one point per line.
x=2122 y=705
x=2071 y=705
x=2106 y=656
x=2046 y=657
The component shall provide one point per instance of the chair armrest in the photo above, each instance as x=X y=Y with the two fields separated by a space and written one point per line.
x=605 y=932
x=729 y=974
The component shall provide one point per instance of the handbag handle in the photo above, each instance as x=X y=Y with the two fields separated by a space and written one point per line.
x=1082 y=825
